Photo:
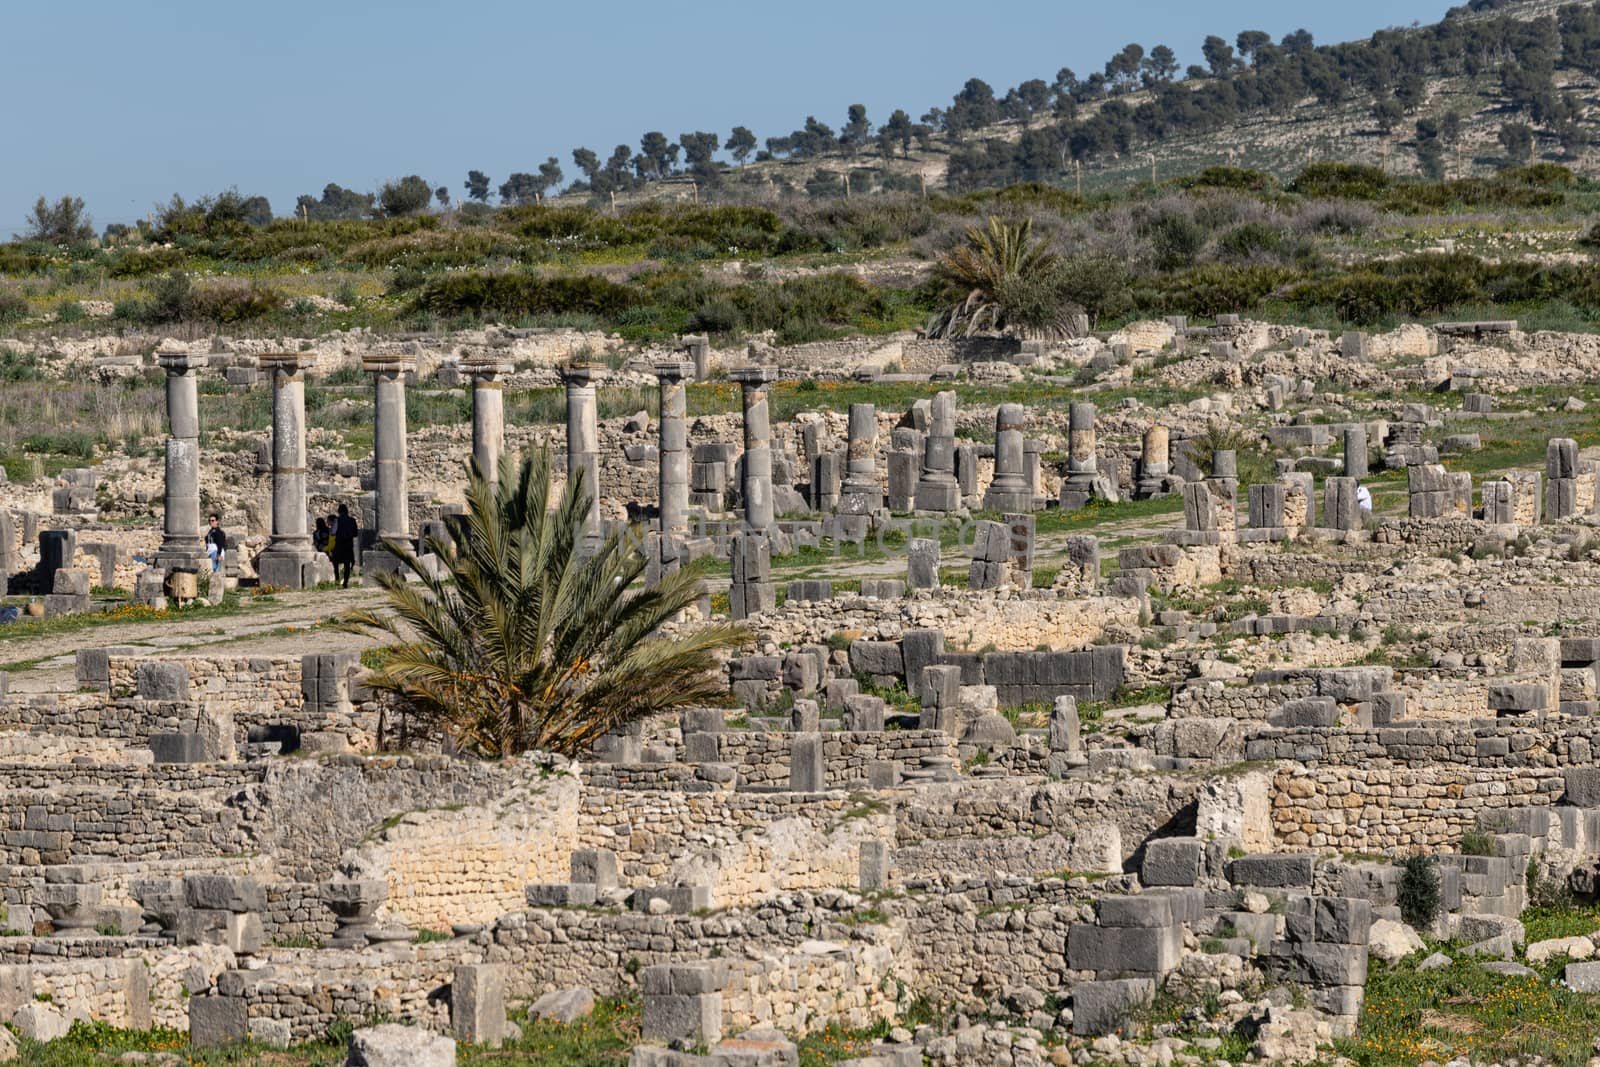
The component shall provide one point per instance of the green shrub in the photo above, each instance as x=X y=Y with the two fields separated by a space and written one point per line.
x=1418 y=895
x=13 y=307
x=235 y=303
x=71 y=311
x=1352 y=181
x=523 y=294
x=1477 y=843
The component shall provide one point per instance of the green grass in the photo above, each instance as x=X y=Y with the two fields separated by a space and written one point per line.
x=1463 y=1011
x=233 y=604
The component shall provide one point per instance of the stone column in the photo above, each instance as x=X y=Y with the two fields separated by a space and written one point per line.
x=1009 y=490
x=673 y=482
x=862 y=494
x=282 y=563
x=488 y=412
x=182 y=543
x=389 y=444
x=1081 y=442
x=1155 y=462
x=1355 y=452
x=757 y=487
x=1082 y=467
x=583 y=436
x=937 y=489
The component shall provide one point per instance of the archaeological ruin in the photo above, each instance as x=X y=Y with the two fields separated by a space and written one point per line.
x=1163 y=670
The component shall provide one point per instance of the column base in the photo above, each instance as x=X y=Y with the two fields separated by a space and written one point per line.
x=1011 y=500
x=292 y=566
x=938 y=496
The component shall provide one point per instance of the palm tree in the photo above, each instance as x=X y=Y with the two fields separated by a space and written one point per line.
x=527 y=641
x=999 y=277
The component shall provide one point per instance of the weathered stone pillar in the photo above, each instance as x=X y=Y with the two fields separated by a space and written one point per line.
x=1009 y=491
x=282 y=562
x=488 y=412
x=673 y=482
x=757 y=487
x=182 y=543
x=1355 y=452
x=1081 y=442
x=1078 y=485
x=583 y=436
x=389 y=444
x=937 y=489
x=1155 y=462
x=862 y=494
x=698 y=348
x=1156 y=454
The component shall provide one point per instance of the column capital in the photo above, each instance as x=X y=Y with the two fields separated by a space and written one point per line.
x=674 y=369
x=754 y=376
x=288 y=362
x=486 y=368
x=178 y=362
x=388 y=364
x=580 y=373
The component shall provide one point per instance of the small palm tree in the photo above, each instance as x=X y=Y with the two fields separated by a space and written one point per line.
x=528 y=641
x=986 y=278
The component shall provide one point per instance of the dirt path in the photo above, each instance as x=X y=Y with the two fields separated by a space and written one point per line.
x=283 y=627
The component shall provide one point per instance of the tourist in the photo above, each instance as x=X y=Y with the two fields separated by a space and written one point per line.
x=345 y=533
x=1363 y=498
x=319 y=537
x=216 y=543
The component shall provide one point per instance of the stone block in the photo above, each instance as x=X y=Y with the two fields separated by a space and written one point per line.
x=1258 y=929
x=221 y=892
x=1331 y=965
x=1105 y=1007
x=679 y=899
x=1137 y=950
x=874 y=866
x=478 y=1004
x=1518 y=698
x=1172 y=861
x=164 y=681
x=178 y=748
x=218 y=1021
x=595 y=866
x=688 y=1019
x=1272 y=870
x=395 y=1045
x=1307 y=711
x=1145 y=910
x=807 y=770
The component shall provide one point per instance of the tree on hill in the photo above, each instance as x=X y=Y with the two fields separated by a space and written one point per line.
x=405 y=196
x=699 y=154
x=853 y=136
x=1034 y=95
x=549 y=175
x=1218 y=56
x=529 y=642
x=973 y=108
x=521 y=188
x=1250 y=42
x=586 y=162
x=477 y=186
x=337 y=202
x=63 y=223
x=1517 y=140
x=740 y=144
x=899 y=130
x=442 y=194
x=655 y=156
x=1159 y=66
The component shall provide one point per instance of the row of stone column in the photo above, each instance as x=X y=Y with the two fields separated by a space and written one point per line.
x=288 y=554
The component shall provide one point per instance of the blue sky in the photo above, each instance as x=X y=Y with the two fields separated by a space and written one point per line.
x=126 y=103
